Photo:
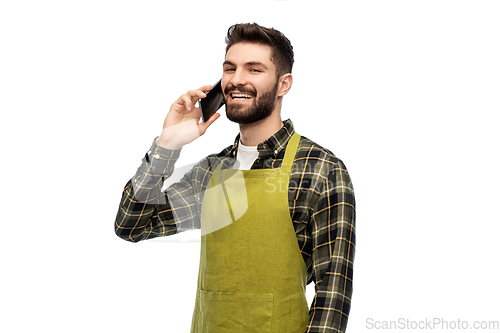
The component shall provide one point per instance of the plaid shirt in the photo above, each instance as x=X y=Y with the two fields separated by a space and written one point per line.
x=322 y=208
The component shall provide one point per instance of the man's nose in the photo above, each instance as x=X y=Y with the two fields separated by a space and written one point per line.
x=239 y=78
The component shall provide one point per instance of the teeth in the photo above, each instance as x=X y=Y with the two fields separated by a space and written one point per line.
x=241 y=96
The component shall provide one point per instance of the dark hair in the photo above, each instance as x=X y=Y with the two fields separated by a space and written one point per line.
x=282 y=50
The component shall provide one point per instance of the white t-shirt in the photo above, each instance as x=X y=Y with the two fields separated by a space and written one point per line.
x=246 y=157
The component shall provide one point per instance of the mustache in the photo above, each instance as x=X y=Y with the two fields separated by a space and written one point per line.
x=230 y=88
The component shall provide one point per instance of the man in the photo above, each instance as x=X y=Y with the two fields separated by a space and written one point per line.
x=276 y=210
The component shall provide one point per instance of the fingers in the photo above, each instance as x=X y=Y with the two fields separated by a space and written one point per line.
x=205 y=88
x=192 y=96
x=189 y=99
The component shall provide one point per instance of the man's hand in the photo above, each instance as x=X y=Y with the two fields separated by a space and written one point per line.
x=182 y=124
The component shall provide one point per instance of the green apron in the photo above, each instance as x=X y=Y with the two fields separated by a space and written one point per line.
x=252 y=276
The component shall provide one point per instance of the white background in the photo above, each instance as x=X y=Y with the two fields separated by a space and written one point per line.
x=406 y=93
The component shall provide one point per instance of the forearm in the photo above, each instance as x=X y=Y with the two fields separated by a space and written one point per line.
x=142 y=199
x=332 y=302
x=157 y=165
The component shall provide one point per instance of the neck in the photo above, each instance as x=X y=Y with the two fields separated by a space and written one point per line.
x=255 y=133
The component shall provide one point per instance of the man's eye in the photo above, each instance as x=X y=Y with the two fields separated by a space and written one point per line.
x=229 y=70
x=255 y=70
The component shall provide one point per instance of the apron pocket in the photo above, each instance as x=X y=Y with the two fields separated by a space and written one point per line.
x=293 y=314
x=218 y=312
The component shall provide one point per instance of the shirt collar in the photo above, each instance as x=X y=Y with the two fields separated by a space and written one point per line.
x=273 y=145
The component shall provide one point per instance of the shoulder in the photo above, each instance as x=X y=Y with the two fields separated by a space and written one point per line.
x=326 y=171
x=317 y=161
x=223 y=154
x=198 y=174
x=211 y=161
x=313 y=153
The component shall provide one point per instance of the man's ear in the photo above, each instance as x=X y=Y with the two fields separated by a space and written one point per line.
x=285 y=83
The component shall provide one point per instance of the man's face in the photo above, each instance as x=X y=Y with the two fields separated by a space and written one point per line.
x=249 y=83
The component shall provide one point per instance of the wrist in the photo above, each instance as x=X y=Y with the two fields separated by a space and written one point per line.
x=178 y=135
x=167 y=142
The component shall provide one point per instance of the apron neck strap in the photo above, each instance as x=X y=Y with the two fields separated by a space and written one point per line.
x=291 y=150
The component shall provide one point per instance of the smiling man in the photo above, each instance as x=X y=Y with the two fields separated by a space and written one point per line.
x=239 y=93
x=262 y=241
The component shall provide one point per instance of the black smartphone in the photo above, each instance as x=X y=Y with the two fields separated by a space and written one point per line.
x=213 y=102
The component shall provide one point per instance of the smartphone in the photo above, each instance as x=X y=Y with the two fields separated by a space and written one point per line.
x=213 y=102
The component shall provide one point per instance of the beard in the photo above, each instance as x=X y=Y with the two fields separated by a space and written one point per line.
x=261 y=108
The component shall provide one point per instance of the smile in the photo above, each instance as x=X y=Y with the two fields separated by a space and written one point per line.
x=240 y=96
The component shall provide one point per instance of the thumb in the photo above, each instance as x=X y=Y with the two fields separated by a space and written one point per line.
x=202 y=127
